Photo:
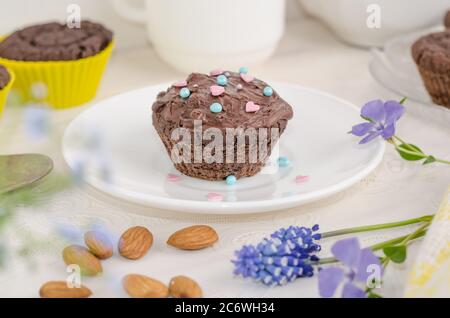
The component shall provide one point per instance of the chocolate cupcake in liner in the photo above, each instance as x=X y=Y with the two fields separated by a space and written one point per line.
x=65 y=65
x=6 y=82
x=246 y=112
x=447 y=20
x=432 y=56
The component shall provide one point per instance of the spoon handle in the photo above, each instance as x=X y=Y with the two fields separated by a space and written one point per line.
x=18 y=171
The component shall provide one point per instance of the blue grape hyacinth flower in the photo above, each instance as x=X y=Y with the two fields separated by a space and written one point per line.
x=287 y=255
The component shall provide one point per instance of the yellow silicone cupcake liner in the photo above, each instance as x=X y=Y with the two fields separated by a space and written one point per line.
x=61 y=84
x=5 y=91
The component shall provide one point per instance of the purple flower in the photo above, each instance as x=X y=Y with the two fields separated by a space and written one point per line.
x=104 y=167
x=99 y=227
x=37 y=121
x=360 y=265
x=79 y=170
x=69 y=232
x=381 y=117
x=287 y=255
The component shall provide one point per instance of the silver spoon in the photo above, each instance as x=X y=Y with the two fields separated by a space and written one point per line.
x=18 y=171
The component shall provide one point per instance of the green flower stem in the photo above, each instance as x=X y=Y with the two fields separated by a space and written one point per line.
x=411 y=151
x=447 y=162
x=377 y=247
x=404 y=142
x=426 y=218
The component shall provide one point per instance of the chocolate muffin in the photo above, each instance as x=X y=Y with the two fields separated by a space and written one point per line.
x=4 y=77
x=432 y=56
x=237 y=106
x=56 y=42
x=447 y=20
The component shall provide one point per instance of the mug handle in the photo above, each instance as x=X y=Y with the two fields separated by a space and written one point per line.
x=129 y=12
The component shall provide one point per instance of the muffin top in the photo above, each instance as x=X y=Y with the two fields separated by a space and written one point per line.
x=447 y=20
x=4 y=77
x=233 y=97
x=433 y=52
x=56 y=42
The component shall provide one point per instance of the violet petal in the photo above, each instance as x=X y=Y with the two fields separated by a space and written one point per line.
x=329 y=280
x=388 y=131
x=351 y=291
x=374 y=111
x=366 y=261
x=394 y=111
x=347 y=251
x=362 y=129
x=371 y=136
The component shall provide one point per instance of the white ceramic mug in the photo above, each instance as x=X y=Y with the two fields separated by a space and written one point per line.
x=202 y=35
x=348 y=18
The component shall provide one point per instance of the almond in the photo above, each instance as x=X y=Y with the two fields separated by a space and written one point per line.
x=194 y=238
x=135 y=242
x=99 y=244
x=184 y=287
x=59 y=289
x=139 y=286
x=79 y=255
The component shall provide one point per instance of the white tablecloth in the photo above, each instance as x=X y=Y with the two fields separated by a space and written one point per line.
x=308 y=55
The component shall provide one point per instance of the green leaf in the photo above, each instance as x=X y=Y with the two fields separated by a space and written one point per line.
x=371 y=294
x=408 y=156
x=404 y=99
x=429 y=160
x=397 y=254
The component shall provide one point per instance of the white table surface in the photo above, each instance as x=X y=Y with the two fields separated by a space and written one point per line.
x=308 y=55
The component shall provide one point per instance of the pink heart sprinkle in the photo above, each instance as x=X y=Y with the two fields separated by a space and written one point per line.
x=251 y=107
x=180 y=84
x=217 y=90
x=301 y=179
x=216 y=72
x=173 y=177
x=215 y=197
x=247 y=78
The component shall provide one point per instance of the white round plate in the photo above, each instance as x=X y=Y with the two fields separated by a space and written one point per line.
x=117 y=136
